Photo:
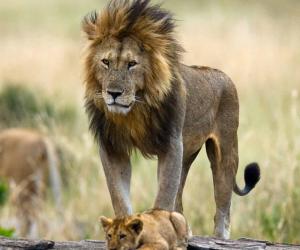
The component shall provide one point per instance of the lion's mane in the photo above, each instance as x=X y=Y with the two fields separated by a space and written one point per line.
x=147 y=126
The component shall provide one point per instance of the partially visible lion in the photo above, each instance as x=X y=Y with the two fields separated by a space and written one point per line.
x=140 y=96
x=27 y=159
x=155 y=230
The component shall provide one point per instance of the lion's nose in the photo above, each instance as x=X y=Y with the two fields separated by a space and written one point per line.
x=114 y=94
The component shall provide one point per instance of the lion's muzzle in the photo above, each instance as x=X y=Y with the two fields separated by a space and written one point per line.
x=118 y=101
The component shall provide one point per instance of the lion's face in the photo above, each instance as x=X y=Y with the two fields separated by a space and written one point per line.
x=120 y=68
x=132 y=56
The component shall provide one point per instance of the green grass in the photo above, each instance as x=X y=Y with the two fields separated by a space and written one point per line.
x=6 y=232
x=3 y=199
x=20 y=105
x=3 y=192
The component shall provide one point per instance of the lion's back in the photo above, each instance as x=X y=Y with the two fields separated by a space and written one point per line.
x=22 y=152
x=210 y=92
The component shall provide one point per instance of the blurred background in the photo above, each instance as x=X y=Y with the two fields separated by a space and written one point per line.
x=255 y=42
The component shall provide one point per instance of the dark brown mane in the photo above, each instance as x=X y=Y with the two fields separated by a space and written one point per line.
x=147 y=127
x=157 y=126
x=150 y=24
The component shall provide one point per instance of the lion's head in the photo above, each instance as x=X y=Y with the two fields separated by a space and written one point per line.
x=132 y=81
x=131 y=56
x=122 y=233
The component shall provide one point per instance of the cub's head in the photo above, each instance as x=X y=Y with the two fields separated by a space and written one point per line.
x=131 y=55
x=122 y=233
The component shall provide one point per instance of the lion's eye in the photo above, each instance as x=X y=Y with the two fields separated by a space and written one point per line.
x=131 y=64
x=105 y=62
x=122 y=236
x=109 y=236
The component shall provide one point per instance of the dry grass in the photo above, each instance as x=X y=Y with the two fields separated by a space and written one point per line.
x=256 y=43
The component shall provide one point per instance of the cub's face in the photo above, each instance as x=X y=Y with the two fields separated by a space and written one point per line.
x=120 y=67
x=122 y=234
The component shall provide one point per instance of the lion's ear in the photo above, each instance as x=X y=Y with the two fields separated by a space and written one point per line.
x=136 y=225
x=89 y=25
x=106 y=222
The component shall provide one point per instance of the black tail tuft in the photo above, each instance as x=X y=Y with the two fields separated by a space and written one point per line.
x=251 y=176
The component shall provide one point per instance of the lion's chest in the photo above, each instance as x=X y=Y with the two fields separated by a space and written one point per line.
x=148 y=136
x=138 y=136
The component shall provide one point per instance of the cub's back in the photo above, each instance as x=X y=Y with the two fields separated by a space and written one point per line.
x=170 y=226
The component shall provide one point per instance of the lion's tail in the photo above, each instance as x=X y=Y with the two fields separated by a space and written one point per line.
x=251 y=176
x=54 y=175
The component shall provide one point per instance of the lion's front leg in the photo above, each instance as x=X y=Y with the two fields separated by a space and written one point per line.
x=118 y=176
x=169 y=172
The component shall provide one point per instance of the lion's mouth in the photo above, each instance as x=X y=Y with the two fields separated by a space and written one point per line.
x=119 y=108
x=116 y=104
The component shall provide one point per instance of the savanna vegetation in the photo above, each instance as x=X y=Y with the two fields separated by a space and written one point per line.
x=255 y=42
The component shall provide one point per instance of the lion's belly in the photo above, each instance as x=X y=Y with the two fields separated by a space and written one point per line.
x=198 y=125
x=202 y=101
x=200 y=115
x=196 y=133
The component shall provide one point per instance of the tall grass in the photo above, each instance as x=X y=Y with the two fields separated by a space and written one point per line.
x=3 y=192
x=256 y=43
x=3 y=198
x=21 y=106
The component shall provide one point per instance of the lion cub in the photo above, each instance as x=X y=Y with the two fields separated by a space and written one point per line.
x=155 y=230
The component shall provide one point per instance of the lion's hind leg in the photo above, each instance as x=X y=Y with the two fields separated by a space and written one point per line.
x=224 y=162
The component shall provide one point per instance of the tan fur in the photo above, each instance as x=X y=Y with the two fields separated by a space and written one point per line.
x=160 y=106
x=25 y=159
x=155 y=230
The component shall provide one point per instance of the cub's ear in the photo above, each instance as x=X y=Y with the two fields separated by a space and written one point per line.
x=136 y=225
x=89 y=25
x=106 y=222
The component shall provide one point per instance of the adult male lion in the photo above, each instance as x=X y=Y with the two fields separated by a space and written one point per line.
x=139 y=95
